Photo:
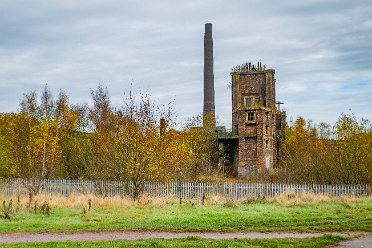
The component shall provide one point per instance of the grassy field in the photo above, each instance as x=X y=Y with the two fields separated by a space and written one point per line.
x=193 y=242
x=294 y=214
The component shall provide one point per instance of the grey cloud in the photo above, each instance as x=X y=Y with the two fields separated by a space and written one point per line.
x=320 y=49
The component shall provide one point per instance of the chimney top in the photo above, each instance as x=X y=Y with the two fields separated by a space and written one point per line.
x=208 y=28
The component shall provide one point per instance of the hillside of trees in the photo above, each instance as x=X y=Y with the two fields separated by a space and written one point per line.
x=52 y=138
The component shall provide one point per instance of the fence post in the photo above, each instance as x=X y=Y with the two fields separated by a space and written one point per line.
x=189 y=190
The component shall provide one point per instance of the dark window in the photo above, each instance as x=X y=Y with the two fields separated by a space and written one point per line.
x=250 y=116
x=248 y=101
x=267 y=143
x=251 y=100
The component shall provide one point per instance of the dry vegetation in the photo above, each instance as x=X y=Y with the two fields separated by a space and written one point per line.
x=288 y=198
x=86 y=202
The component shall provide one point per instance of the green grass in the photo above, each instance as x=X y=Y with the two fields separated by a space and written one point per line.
x=193 y=242
x=243 y=218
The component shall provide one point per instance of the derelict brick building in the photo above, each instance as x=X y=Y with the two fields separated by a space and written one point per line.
x=257 y=125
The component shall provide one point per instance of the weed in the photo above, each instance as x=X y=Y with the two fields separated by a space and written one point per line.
x=7 y=212
x=229 y=204
x=35 y=207
x=45 y=208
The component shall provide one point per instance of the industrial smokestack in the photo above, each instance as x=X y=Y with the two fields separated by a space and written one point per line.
x=209 y=107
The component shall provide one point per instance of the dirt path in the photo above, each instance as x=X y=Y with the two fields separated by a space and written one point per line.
x=365 y=242
x=127 y=235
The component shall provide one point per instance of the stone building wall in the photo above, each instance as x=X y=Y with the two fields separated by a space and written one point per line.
x=254 y=118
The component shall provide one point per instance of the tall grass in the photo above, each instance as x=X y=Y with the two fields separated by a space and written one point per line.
x=287 y=198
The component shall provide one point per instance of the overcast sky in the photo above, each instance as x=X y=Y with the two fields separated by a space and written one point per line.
x=321 y=51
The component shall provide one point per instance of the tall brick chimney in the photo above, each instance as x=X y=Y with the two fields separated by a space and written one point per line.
x=209 y=106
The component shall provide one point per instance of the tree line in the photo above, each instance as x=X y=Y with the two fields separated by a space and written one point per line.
x=325 y=154
x=52 y=138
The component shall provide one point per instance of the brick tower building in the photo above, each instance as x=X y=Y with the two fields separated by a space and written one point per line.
x=257 y=125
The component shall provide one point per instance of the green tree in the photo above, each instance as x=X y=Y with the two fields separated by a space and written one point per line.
x=78 y=156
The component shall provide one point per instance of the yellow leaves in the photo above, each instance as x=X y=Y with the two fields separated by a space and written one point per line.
x=319 y=154
x=70 y=121
x=146 y=154
x=346 y=126
x=44 y=143
x=301 y=132
x=136 y=150
x=45 y=132
x=7 y=168
x=67 y=120
x=321 y=144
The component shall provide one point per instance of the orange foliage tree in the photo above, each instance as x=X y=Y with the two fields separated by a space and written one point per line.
x=321 y=154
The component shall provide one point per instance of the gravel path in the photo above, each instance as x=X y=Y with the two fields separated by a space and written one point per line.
x=365 y=242
x=128 y=235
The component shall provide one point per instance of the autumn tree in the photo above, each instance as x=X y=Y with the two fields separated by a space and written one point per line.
x=76 y=144
x=201 y=139
x=29 y=116
x=180 y=157
x=45 y=135
x=298 y=151
x=101 y=118
x=8 y=163
x=7 y=168
x=78 y=156
x=49 y=124
x=141 y=153
x=321 y=154
x=352 y=154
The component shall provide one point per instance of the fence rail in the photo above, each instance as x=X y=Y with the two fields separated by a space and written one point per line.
x=236 y=191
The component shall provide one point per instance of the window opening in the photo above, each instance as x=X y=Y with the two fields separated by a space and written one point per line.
x=248 y=102
x=250 y=116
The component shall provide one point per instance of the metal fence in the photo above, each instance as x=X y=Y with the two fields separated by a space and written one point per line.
x=105 y=188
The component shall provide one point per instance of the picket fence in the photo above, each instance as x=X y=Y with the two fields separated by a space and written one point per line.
x=191 y=190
